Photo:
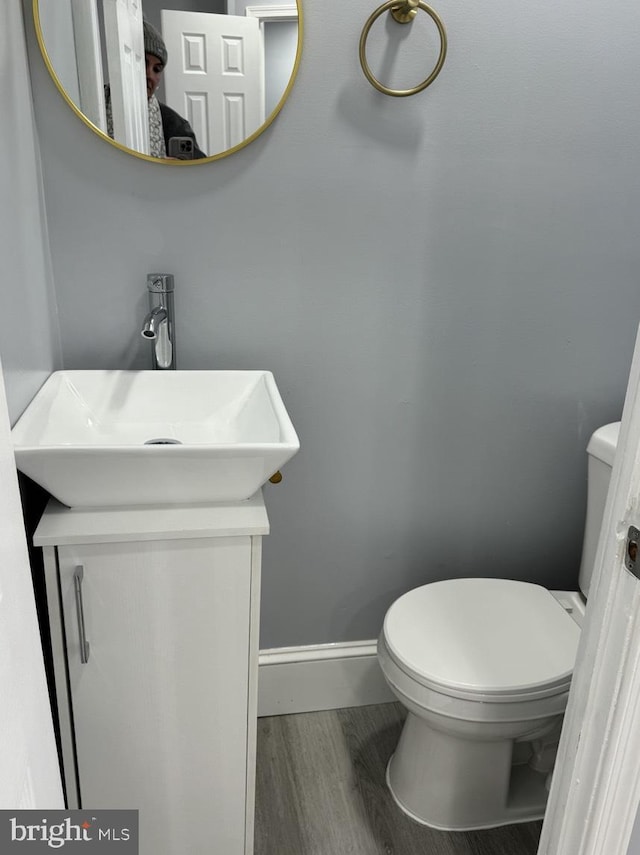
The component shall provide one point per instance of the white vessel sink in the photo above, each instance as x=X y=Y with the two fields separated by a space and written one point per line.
x=118 y=438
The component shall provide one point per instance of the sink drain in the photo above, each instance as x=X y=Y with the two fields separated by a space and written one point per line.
x=162 y=441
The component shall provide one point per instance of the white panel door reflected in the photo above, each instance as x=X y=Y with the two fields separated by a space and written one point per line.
x=215 y=75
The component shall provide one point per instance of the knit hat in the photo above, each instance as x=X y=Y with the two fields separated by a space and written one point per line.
x=153 y=42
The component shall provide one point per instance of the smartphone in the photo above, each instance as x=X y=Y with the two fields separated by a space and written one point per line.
x=181 y=147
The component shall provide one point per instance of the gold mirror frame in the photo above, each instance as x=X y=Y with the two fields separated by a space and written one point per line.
x=166 y=161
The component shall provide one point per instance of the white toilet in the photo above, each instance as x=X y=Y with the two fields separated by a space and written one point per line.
x=483 y=667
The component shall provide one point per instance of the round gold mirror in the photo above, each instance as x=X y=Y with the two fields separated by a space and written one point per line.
x=180 y=85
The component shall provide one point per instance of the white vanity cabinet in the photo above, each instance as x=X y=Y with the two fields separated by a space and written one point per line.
x=154 y=619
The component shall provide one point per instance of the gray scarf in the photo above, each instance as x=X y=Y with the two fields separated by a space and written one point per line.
x=156 y=133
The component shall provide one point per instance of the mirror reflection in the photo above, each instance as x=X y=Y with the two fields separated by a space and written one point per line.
x=196 y=80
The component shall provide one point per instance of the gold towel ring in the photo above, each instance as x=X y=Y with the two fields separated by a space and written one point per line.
x=403 y=13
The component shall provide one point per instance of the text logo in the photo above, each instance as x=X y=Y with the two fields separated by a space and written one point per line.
x=103 y=831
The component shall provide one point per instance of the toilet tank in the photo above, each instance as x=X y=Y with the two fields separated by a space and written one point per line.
x=600 y=453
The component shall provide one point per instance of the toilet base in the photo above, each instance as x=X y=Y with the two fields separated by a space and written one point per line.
x=454 y=784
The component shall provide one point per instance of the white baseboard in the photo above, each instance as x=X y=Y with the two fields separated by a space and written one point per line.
x=320 y=677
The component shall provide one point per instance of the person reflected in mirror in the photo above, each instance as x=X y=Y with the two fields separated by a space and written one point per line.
x=165 y=124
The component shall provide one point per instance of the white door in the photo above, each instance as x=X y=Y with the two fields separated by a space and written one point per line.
x=215 y=75
x=596 y=784
x=29 y=771
x=160 y=702
x=127 y=72
x=86 y=35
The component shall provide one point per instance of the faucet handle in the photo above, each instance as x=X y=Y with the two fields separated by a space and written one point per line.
x=160 y=283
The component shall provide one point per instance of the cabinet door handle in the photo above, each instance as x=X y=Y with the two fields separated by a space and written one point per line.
x=84 y=644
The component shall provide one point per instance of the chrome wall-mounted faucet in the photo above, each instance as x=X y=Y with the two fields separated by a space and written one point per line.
x=158 y=326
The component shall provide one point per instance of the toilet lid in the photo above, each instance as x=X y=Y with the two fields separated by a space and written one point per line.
x=483 y=636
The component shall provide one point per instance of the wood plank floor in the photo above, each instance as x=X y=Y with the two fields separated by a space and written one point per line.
x=321 y=790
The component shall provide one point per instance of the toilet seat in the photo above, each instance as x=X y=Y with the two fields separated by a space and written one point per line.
x=483 y=639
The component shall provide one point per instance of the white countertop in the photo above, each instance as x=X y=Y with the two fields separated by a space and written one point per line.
x=61 y=525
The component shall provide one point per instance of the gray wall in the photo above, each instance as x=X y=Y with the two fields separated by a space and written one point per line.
x=445 y=286
x=280 y=44
x=56 y=20
x=152 y=8
x=29 y=338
